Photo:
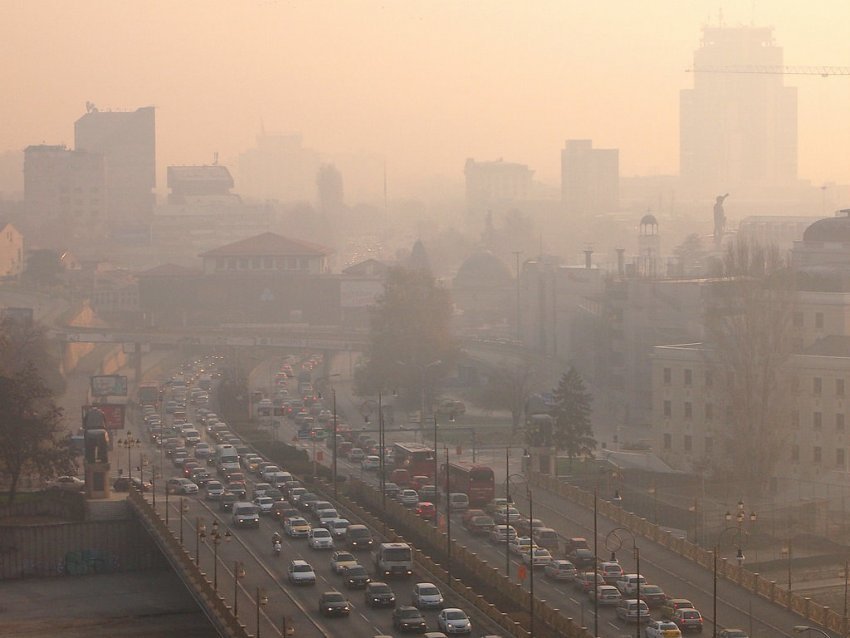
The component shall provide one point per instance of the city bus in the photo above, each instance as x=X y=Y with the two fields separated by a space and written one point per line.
x=476 y=481
x=149 y=393
x=416 y=458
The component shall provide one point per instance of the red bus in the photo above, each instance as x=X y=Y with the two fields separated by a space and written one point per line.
x=476 y=481
x=416 y=458
x=149 y=393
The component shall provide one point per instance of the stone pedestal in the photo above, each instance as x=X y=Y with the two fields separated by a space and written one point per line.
x=97 y=480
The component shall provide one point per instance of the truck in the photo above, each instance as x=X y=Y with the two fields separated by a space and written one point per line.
x=394 y=559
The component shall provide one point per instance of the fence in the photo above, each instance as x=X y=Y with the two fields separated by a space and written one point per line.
x=818 y=614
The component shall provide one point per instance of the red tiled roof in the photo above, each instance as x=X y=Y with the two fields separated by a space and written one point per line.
x=169 y=270
x=267 y=244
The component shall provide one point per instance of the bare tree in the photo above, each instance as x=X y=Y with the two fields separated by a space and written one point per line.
x=508 y=387
x=749 y=326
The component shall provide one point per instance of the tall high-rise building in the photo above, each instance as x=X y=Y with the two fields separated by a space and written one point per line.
x=738 y=131
x=127 y=141
x=65 y=195
x=590 y=178
x=496 y=184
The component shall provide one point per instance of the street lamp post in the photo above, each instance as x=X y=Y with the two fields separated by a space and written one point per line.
x=333 y=396
x=217 y=537
x=788 y=552
x=200 y=532
x=184 y=507
x=531 y=567
x=129 y=442
x=238 y=572
x=507 y=513
x=613 y=543
x=448 y=508
x=262 y=601
x=740 y=558
x=596 y=567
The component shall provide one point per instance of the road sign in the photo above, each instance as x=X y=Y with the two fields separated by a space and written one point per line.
x=109 y=385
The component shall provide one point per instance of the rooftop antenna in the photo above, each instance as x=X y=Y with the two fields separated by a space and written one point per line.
x=215 y=158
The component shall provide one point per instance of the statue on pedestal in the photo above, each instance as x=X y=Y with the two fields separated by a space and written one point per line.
x=719 y=218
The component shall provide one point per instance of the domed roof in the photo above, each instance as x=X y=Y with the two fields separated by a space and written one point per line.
x=831 y=229
x=648 y=220
x=483 y=268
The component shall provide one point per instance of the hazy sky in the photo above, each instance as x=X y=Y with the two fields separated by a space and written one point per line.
x=425 y=83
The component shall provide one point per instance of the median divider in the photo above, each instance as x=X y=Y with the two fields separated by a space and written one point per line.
x=479 y=582
x=811 y=611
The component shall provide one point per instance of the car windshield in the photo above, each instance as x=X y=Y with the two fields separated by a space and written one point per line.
x=344 y=557
x=321 y=533
x=302 y=568
x=690 y=614
x=668 y=625
x=409 y=613
x=429 y=591
x=455 y=615
x=380 y=588
x=334 y=598
x=356 y=570
x=651 y=589
x=297 y=521
x=397 y=553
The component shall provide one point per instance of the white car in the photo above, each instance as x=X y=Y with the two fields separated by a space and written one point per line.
x=560 y=569
x=370 y=463
x=320 y=538
x=301 y=573
x=326 y=516
x=340 y=560
x=408 y=498
x=214 y=490
x=426 y=595
x=662 y=629
x=265 y=504
x=454 y=621
x=67 y=484
x=538 y=556
x=521 y=545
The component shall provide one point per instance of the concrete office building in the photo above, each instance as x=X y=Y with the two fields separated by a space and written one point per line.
x=127 y=141
x=738 y=131
x=496 y=185
x=65 y=195
x=590 y=178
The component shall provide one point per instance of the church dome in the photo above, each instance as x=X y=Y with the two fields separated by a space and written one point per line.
x=831 y=229
x=483 y=269
x=648 y=220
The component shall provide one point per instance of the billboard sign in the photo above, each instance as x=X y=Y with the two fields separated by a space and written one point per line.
x=114 y=414
x=109 y=385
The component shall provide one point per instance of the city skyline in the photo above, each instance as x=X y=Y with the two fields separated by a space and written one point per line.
x=424 y=85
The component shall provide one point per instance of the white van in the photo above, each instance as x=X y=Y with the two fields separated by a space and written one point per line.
x=458 y=502
x=245 y=514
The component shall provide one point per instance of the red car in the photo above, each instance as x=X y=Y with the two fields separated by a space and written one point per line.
x=426 y=510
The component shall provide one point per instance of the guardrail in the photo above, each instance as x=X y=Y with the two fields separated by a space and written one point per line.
x=494 y=585
x=219 y=612
x=804 y=606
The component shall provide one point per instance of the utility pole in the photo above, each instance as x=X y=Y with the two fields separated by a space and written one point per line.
x=517 y=253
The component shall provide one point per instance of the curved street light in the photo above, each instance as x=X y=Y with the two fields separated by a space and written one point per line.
x=129 y=442
x=739 y=556
x=530 y=498
x=804 y=628
x=613 y=543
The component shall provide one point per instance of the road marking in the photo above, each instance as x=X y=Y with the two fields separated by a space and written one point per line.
x=574 y=600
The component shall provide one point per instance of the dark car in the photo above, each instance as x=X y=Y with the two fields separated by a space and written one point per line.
x=122 y=484
x=687 y=619
x=480 y=525
x=409 y=619
x=358 y=537
x=304 y=499
x=226 y=501
x=379 y=595
x=332 y=603
x=581 y=557
x=653 y=595
x=356 y=577
x=238 y=488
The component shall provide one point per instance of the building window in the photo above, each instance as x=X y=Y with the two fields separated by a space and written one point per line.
x=839 y=422
x=255 y=263
x=291 y=263
x=709 y=379
x=709 y=445
x=817 y=420
x=668 y=441
x=839 y=387
x=709 y=411
x=818 y=454
x=268 y=263
x=231 y=263
x=817 y=386
x=728 y=415
x=668 y=409
x=243 y=263
x=688 y=443
x=798 y=319
x=219 y=263
x=688 y=377
x=819 y=320
x=688 y=410
x=795 y=418
x=795 y=452
x=304 y=263
x=668 y=376
x=839 y=457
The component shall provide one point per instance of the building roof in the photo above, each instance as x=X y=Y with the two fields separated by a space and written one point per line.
x=267 y=244
x=831 y=229
x=483 y=269
x=368 y=267
x=648 y=220
x=168 y=270
x=213 y=173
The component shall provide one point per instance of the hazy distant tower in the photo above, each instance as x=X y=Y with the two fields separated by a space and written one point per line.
x=329 y=187
x=649 y=247
x=127 y=141
x=590 y=178
x=737 y=130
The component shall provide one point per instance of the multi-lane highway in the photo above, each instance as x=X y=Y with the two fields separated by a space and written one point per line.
x=249 y=552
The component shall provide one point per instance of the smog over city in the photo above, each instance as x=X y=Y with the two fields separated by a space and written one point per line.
x=564 y=283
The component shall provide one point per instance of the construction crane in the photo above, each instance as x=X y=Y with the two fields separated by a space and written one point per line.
x=823 y=71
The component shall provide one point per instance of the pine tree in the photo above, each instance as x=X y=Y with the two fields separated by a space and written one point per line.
x=573 y=431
